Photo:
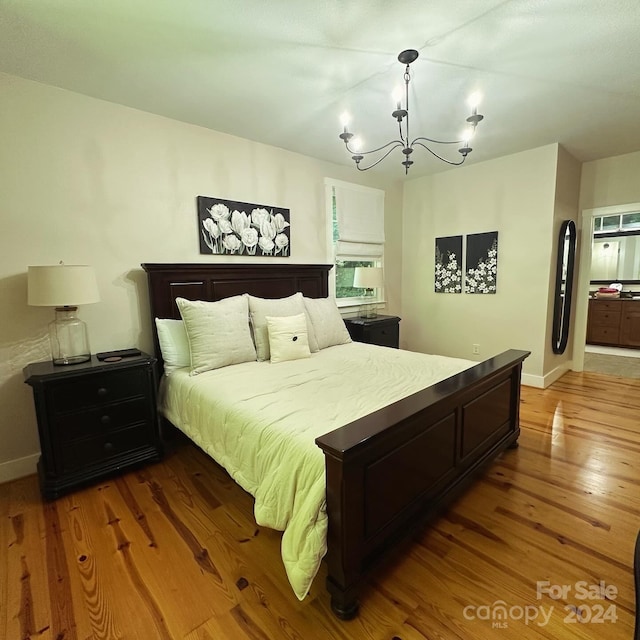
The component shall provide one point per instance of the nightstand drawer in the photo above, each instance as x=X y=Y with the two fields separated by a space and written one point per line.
x=385 y=335
x=90 y=390
x=102 y=420
x=83 y=453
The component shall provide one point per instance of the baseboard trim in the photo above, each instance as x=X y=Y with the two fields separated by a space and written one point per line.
x=542 y=382
x=529 y=380
x=19 y=468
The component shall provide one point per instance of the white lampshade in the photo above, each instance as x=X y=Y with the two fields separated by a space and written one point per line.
x=62 y=285
x=368 y=278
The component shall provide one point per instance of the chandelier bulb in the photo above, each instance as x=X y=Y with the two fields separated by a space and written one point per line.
x=397 y=97
x=467 y=134
x=474 y=100
x=345 y=120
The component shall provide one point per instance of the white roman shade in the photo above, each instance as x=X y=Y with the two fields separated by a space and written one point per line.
x=360 y=216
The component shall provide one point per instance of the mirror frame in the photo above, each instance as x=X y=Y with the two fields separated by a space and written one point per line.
x=562 y=296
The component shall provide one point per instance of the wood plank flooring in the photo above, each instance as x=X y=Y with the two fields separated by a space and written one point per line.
x=171 y=551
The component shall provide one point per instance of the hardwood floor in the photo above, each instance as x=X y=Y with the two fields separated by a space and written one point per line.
x=171 y=551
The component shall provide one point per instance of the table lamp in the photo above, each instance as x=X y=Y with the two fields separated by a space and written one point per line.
x=368 y=278
x=64 y=287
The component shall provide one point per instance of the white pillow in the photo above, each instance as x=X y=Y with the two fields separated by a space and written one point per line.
x=218 y=332
x=174 y=345
x=288 y=338
x=327 y=322
x=260 y=308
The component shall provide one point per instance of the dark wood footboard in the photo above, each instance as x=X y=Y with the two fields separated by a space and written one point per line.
x=403 y=464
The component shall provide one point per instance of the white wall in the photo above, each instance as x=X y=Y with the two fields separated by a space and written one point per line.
x=610 y=181
x=567 y=193
x=514 y=195
x=87 y=181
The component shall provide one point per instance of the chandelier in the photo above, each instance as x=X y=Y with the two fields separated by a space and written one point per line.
x=353 y=145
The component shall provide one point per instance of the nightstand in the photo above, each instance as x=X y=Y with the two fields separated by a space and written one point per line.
x=94 y=419
x=381 y=330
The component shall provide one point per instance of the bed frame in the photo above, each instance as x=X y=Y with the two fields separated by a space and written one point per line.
x=395 y=468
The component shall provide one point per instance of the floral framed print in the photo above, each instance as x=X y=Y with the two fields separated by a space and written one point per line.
x=227 y=227
x=448 y=273
x=481 y=263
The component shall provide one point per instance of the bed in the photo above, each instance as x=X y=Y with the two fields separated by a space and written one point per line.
x=389 y=469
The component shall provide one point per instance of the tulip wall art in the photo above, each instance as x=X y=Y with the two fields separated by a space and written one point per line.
x=227 y=227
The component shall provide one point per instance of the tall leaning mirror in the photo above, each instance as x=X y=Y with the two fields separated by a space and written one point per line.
x=564 y=286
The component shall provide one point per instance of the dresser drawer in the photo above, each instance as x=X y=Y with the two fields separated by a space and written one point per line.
x=603 y=334
x=90 y=390
x=605 y=305
x=102 y=420
x=604 y=317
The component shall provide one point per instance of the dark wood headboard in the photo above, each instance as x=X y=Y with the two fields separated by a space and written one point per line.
x=211 y=282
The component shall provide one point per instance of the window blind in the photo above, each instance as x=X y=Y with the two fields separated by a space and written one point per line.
x=360 y=217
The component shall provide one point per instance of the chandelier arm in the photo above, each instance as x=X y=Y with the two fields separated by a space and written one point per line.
x=396 y=143
x=436 y=141
x=379 y=160
x=433 y=153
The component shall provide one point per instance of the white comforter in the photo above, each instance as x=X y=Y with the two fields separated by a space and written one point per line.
x=260 y=421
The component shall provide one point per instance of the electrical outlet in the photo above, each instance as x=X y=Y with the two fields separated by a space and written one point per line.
x=476 y=349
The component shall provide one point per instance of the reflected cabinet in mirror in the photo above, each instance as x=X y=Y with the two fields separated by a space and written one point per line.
x=564 y=286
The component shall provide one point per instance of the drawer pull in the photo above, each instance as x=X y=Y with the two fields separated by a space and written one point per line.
x=105 y=420
x=108 y=447
x=102 y=392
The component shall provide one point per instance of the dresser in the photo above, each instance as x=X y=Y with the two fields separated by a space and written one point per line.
x=94 y=419
x=381 y=330
x=614 y=322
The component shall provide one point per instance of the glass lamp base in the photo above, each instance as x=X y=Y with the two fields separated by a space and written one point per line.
x=368 y=312
x=68 y=337
x=72 y=359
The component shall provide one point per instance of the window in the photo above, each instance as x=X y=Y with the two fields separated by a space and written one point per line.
x=617 y=222
x=357 y=237
x=630 y=221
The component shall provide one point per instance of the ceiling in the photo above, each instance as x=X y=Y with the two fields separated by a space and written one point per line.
x=281 y=72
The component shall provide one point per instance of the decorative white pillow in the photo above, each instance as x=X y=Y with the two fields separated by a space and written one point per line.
x=260 y=308
x=218 y=332
x=327 y=322
x=288 y=338
x=174 y=345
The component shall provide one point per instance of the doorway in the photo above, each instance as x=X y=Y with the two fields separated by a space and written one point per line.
x=587 y=356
